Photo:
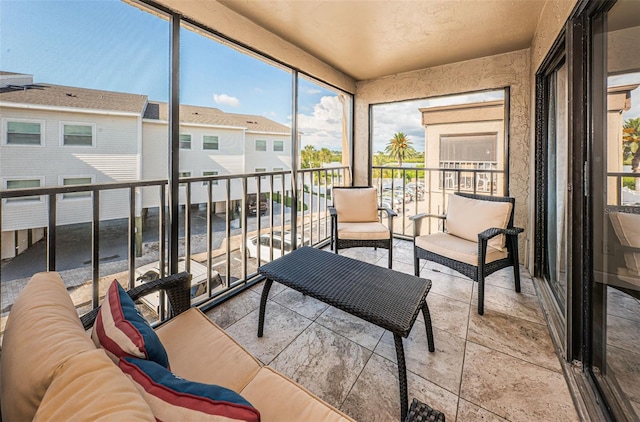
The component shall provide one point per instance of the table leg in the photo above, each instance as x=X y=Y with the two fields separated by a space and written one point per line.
x=402 y=377
x=427 y=323
x=263 y=305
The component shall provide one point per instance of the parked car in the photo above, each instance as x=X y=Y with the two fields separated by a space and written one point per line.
x=151 y=272
x=253 y=206
x=264 y=242
x=391 y=202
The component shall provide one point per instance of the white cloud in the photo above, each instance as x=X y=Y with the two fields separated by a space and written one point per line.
x=313 y=91
x=227 y=100
x=323 y=127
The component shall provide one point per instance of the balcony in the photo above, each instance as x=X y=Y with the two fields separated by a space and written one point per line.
x=484 y=366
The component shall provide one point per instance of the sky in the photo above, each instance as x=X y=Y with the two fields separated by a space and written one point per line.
x=111 y=45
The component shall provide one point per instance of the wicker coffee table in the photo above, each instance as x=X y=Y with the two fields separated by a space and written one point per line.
x=386 y=298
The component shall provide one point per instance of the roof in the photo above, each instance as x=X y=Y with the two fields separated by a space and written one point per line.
x=214 y=116
x=72 y=97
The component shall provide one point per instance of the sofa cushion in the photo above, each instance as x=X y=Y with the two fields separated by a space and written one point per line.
x=356 y=205
x=363 y=231
x=199 y=350
x=466 y=218
x=457 y=248
x=176 y=399
x=43 y=331
x=89 y=387
x=269 y=390
x=121 y=330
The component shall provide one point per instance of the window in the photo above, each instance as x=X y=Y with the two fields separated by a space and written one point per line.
x=278 y=146
x=261 y=170
x=475 y=147
x=210 y=142
x=23 y=184
x=77 y=135
x=278 y=176
x=184 y=174
x=210 y=173
x=185 y=141
x=24 y=133
x=68 y=181
x=261 y=145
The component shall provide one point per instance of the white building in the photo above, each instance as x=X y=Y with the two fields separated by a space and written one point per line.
x=56 y=135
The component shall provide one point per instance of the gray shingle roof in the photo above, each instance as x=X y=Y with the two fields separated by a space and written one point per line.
x=215 y=116
x=68 y=96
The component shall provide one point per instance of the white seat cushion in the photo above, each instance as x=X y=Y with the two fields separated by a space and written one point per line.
x=457 y=248
x=356 y=205
x=627 y=229
x=363 y=231
x=466 y=218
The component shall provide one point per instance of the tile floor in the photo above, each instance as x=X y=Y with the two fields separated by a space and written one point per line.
x=497 y=367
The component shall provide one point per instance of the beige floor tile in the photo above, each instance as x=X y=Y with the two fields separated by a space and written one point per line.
x=514 y=389
x=297 y=302
x=442 y=367
x=281 y=327
x=509 y=302
x=376 y=394
x=505 y=278
x=324 y=362
x=447 y=285
x=624 y=368
x=516 y=337
x=357 y=330
x=469 y=412
x=231 y=311
x=448 y=315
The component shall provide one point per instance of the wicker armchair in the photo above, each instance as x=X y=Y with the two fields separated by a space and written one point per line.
x=479 y=240
x=176 y=286
x=355 y=220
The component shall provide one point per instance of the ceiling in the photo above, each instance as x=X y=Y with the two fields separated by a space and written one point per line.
x=367 y=39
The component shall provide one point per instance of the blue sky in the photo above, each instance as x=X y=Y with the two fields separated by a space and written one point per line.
x=110 y=45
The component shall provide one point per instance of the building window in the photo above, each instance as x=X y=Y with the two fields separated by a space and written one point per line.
x=471 y=148
x=261 y=145
x=77 y=135
x=23 y=184
x=210 y=173
x=185 y=141
x=69 y=181
x=24 y=133
x=278 y=176
x=210 y=142
x=278 y=146
x=184 y=174
x=261 y=170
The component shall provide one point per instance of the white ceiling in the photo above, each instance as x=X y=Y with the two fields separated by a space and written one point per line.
x=366 y=39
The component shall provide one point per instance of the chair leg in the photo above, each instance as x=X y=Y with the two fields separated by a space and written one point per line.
x=482 y=254
x=416 y=263
x=516 y=263
x=480 y=293
x=390 y=254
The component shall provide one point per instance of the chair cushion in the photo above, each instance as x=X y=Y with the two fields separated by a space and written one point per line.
x=363 y=231
x=121 y=330
x=172 y=398
x=627 y=229
x=199 y=350
x=356 y=205
x=269 y=390
x=456 y=248
x=466 y=218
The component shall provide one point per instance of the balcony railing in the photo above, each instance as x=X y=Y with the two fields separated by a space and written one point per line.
x=623 y=189
x=413 y=190
x=216 y=222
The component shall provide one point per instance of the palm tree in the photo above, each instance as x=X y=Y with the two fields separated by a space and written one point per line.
x=631 y=143
x=400 y=147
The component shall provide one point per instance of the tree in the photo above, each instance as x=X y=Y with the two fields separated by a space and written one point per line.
x=400 y=147
x=325 y=155
x=631 y=143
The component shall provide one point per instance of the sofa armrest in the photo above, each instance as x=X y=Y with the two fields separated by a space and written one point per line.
x=176 y=286
x=495 y=231
x=389 y=211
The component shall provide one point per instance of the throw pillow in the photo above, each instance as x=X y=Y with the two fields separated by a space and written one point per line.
x=121 y=331
x=172 y=398
x=467 y=217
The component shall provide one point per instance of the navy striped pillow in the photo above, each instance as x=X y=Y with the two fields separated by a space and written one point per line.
x=172 y=398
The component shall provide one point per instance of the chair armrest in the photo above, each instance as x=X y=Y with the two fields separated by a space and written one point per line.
x=332 y=211
x=389 y=211
x=176 y=286
x=417 y=221
x=495 y=231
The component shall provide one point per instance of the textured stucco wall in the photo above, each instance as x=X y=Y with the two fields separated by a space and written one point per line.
x=493 y=72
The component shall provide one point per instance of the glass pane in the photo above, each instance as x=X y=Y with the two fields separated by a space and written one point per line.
x=77 y=130
x=616 y=218
x=23 y=127
x=76 y=181
x=23 y=133
x=557 y=164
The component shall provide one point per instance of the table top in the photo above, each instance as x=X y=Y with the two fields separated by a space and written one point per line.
x=387 y=298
